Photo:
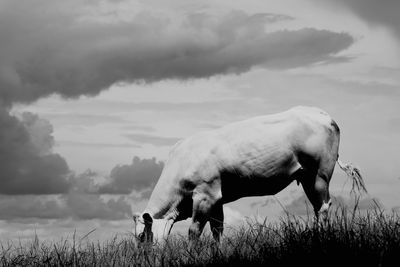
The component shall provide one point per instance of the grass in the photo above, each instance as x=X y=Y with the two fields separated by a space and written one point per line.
x=349 y=239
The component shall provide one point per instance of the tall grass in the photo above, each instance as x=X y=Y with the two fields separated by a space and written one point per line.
x=348 y=239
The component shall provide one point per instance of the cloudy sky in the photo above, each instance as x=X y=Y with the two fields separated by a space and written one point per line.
x=93 y=94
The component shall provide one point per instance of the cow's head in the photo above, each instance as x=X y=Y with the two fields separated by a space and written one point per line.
x=143 y=223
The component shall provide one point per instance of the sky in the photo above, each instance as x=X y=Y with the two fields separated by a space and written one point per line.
x=93 y=95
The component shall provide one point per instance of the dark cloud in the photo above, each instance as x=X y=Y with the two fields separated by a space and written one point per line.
x=55 y=47
x=27 y=164
x=302 y=206
x=74 y=205
x=139 y=176
x=31 y=206
x=90 y=206
x=40 y=132
x=383 y=13
x=290 y=49
x=85 y=183
x=81 y=202
x=153 y=139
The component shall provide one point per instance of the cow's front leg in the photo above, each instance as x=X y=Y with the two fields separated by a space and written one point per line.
x=217 y=221
x=202 y=206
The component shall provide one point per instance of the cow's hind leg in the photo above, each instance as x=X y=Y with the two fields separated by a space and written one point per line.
x=217 y=221
x=316 y=186
x=317 y=192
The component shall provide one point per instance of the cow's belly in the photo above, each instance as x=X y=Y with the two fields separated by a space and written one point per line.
x=264 y=172
x=234 y=186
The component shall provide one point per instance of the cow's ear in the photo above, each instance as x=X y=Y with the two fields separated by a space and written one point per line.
x=147 y=218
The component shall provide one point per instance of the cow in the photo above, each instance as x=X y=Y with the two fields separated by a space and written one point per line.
x=254 y=157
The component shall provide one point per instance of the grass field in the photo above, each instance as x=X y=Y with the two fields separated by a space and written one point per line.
x=349 y=239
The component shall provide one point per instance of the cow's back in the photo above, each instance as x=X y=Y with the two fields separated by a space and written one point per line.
x=252 y=143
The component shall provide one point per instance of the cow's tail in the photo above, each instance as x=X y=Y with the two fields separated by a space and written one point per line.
x=354 y=173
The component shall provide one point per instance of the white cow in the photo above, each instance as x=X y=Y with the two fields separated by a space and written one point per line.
x=255 y=157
